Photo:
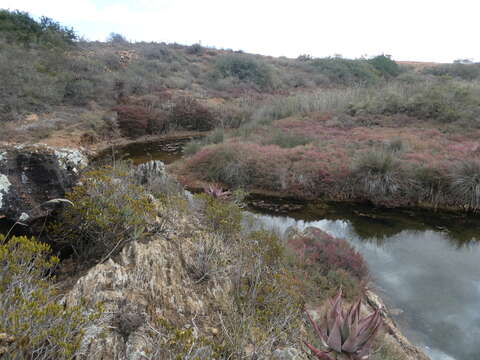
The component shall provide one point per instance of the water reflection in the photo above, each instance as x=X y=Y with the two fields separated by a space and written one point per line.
x=432 y=274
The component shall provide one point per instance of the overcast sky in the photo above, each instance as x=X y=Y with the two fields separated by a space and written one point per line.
x=417 y=30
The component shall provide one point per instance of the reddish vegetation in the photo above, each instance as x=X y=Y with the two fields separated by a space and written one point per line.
x=345 y=159
x=327 y=253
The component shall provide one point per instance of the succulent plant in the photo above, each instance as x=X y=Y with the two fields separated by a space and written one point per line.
x=216 y=191
x=343 y=333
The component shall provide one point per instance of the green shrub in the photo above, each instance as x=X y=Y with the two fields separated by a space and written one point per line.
x=40 y=327
x=345 y=71
x=458 y=70
x=385 y=66
x=195 y=49
x=222 y=217
x=245 y=68
x=110 y=209
x=20 y=27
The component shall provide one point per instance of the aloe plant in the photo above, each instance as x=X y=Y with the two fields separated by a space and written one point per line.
x=343 y=333
x=216 y=191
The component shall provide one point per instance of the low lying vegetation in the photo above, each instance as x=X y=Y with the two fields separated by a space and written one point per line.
x=33 y=322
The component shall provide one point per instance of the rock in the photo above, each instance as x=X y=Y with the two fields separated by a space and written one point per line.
x=149 y=280
x=393 y=334
x=30 y=175
x=288 y=353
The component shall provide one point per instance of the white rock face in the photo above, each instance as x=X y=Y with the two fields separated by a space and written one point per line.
x=71 y=157
x=4 y=186
x=3 y=156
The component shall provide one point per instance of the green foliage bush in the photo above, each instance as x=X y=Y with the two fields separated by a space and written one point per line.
x=444 y=101
x=345 y=71
x=244 y=68
x=30 y=312
x=20 y=27
x=457 y=70
x=221 y=217
x=385 y=65
x=110 y=209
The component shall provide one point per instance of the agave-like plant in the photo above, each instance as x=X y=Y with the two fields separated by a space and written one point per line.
x=216 y=191
x=344 y=333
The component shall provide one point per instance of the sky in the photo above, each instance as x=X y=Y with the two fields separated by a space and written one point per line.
x=414 y=30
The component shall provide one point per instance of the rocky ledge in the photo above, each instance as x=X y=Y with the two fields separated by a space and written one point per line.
x=31 y=175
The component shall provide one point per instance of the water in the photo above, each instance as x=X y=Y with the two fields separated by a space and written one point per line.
x=425 y=265
x=431 y=273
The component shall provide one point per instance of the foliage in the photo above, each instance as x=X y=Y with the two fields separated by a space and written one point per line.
x=116 y=38
x=287 y=139
x=325 y=253
x=345 y=333
x=377 y=174
x=134 y=120
x=20 y=27
x=385 y=65
x=188 y=113
x=345 y=71
x=195 y=49
x=30 y=313
x=216 y=191
x=244 y=68
x=466 y=184
x=465 y=71
x=268 y=298
x=221 y=217
x=110 y=209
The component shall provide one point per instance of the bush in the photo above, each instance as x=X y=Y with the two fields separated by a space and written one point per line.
x=385 y=66
x=287 y=140
x=38 y=325
x=376 y=174
x=245 y=68
x=110 y=209
x=189 y=114
x=195 y=49
x=222 y=217
x=326 y=253
x=345 y=71
x=458 y=70
x=135 y=120
x=20 y=27
x=465 y=179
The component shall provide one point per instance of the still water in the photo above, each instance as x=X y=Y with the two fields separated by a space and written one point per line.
x=429 y=273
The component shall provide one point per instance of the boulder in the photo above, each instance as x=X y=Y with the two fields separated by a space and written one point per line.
x=31 y=175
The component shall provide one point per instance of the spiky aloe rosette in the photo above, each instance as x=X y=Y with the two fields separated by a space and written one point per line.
x=216 y=191
x=344 y=333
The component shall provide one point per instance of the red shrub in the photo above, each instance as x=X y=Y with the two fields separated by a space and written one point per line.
x=136 y=120
x=328 y=253
x=189 y=114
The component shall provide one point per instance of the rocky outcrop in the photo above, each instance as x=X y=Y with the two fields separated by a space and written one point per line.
x=31 y=175
x=152 y=280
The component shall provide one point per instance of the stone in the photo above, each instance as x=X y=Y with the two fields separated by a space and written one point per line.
x=150 y=279
x=31 y=175
x=288 y=353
